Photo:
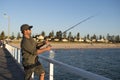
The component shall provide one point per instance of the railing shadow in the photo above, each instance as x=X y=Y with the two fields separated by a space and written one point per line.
x=14 y=72
x=4 y=72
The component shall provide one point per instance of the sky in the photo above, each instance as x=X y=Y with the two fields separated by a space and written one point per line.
x=59 y=15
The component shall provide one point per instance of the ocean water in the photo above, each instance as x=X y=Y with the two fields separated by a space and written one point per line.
x=105 y=62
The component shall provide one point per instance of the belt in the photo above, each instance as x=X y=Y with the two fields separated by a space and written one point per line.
x=32 y=65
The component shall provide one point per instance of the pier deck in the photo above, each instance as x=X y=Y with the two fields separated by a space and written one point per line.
x=9 y=69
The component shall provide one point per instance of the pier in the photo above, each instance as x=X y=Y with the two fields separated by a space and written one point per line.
x=9 y=68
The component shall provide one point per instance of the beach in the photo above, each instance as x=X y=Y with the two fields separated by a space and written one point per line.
x=77 y=45
x=84 y=45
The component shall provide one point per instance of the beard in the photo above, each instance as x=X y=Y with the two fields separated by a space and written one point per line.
x=29 y=33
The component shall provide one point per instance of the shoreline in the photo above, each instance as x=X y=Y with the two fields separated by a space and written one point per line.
x=77 y=45
x=83 y=45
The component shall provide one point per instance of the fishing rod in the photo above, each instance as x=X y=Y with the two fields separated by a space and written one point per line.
x=78 y=23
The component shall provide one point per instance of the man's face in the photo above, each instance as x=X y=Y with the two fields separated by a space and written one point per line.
x=28 y=32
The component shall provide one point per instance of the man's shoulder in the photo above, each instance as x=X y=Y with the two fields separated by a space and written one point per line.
x=24 y=41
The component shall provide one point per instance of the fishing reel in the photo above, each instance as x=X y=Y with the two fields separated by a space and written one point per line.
x=43 y=43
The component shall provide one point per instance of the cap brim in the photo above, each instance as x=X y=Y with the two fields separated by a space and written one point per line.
x=30 y=26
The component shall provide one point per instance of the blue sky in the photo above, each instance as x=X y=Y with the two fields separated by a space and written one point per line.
x=48 y=15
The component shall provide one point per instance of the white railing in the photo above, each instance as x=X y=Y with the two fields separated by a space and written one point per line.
x=15 y=52
x=77 y=71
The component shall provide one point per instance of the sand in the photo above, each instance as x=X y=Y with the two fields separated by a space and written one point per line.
x=78 y=45
x=84 y=45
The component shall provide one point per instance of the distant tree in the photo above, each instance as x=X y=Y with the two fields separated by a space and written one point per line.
x=12 y=37
x=59 y=35
x=2 y=35
x=88 y=36
x=117 y=39
x=70 y=37
x=18 y=36
x=43 y=33
x=78 y=36
x=113 y=38
x=85 y=38
x=51 y=34
x=64 y=35
x=94 y=36
x=103 y=37
x=108 y=37
x=100 y=37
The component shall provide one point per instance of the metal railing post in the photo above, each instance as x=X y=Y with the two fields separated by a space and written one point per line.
x=51 y=68
x=19 y=56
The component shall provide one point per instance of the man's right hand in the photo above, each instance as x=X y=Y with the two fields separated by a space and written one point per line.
x=48 y=48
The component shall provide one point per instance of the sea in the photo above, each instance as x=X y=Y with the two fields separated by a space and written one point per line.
x=104 y=62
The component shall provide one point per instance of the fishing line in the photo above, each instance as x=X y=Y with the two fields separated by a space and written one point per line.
x=90 y=17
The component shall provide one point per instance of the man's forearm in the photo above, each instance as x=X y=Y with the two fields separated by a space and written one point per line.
x=40 y=51
x=39 y=45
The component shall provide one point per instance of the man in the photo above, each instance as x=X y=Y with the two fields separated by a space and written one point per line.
x=30 y=51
